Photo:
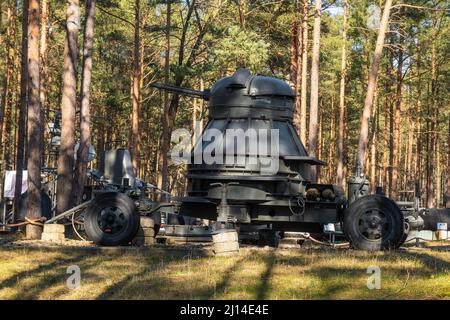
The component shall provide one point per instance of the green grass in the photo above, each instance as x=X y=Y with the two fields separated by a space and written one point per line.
x=159 y=273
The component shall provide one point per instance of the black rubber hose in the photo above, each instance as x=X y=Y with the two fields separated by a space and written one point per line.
x=432 y=217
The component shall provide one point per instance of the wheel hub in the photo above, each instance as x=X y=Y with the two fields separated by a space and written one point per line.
x=111 y=220
x=373 y=224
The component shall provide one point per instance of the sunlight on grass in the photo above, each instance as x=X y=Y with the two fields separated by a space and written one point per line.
x=155 y=273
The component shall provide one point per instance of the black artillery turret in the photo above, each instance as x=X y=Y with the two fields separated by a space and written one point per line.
x=251 y=167
x=259 y=151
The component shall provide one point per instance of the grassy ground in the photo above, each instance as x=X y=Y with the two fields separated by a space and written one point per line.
x=192 y=273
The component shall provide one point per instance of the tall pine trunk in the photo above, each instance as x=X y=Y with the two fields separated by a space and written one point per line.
x=418 y=165
x=34 y=123
x=304 y=74
x=396 y=148
x=364 y=132
x=447 y=202
x=85 y=114
x=43 y=57
x=21 y=130
x=431 y=134
x=340 y=168
x=165 y=140
x=293 y=52
x=135 y=128
x=69 y=102
x=8 y=95
x=314 y=100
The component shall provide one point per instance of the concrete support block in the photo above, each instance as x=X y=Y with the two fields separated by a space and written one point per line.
x=147 y=222
x=52 y=237
x=225 y=243
x=145 y=232
x=225 y=236
x=54 y=228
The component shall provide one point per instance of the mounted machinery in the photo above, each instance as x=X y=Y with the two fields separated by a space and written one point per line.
x=250 y=167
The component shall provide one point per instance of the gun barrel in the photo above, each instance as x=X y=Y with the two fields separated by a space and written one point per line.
x=186 y=91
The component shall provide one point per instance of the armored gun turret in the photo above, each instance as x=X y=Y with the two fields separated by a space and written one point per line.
x=249 y=166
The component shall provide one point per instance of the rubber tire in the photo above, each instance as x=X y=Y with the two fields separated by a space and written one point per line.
x=393 y=238
x=128 y=208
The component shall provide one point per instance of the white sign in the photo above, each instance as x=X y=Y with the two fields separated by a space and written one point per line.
x=10 y=183
x=442 y=226
x=329 y=227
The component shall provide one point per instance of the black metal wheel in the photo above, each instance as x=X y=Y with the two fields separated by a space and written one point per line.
x=112 y=219
x=374 y=223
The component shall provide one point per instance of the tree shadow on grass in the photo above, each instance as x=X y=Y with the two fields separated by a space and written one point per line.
x=42 y=268
x=263 y=288
x=53 y=273
x=154 y=265
x=157 y=281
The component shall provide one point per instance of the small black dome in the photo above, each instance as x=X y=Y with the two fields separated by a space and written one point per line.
x=253 y=95
x=243 y=84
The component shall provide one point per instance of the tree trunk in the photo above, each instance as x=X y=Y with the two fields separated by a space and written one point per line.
x=1 y=23
x=332 y=142
x=385 y=161
x=418 y=168
x=340 y=168
x=34 y=123
x=172 y=107
x=364 y=133
x=101 y=132
x=373 y=143
x=298 y=77
x=5 y=107
x=432 y=115
x=165 y=141
x=194 y=120
x=437 y=157
x=397 y=121
x=9 y=96
x=314 y=103
x=293 y=52
x=447 y=202
x=304 y=71
x=242 y=10
x=69 y=103
x=21 y=131
x=85 y=115
x=135 y=130
x=319 y=140
x=43 y=68
x=390 y=132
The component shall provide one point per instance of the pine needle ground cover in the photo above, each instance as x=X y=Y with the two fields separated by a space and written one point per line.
x=193 y=273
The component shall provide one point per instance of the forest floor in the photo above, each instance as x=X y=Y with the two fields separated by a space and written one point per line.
x=33 y=270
